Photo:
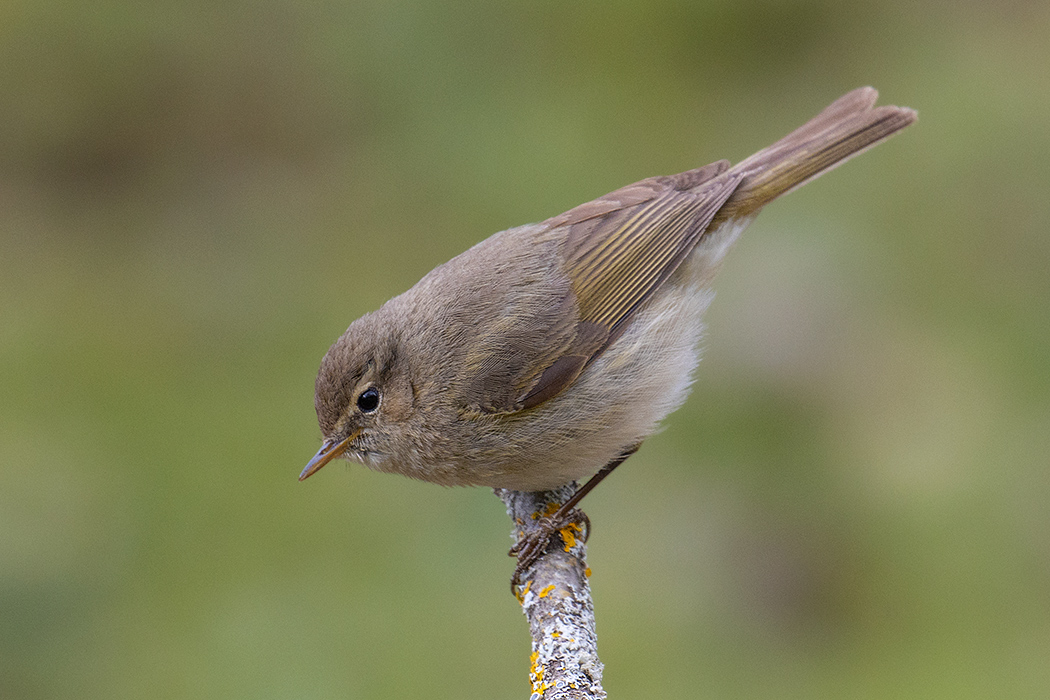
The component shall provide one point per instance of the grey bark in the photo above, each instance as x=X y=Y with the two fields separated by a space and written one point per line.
x=556 y=600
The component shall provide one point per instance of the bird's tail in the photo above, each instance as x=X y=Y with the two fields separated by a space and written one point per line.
x=848 y=126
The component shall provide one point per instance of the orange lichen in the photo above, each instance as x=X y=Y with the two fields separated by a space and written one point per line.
x=587 y=572
x=546 y=591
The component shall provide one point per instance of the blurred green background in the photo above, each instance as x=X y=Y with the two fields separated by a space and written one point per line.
x=197 y=198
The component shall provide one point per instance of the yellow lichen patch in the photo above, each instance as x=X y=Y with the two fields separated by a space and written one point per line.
x=546 y=591
x=521 y=591
x=567 y=535
x=555 y=634
x=568 y=538
x=587 y=572
x=536 y=674
x=548 y=510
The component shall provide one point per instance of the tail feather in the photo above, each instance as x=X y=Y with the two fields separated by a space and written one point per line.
x=847 y=127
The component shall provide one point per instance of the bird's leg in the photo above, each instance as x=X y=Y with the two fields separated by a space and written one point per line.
x=531 y=546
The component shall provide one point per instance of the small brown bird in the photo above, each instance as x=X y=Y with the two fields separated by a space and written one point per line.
x=550 y=350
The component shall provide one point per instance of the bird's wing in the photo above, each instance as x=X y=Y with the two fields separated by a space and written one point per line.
x=615 y=252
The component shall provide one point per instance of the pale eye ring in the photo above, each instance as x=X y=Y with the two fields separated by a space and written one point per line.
x=368 y=400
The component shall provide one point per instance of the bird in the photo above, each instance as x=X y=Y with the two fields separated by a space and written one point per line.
x=547 y=353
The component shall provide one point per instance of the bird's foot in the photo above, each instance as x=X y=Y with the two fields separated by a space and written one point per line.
x=572 y=524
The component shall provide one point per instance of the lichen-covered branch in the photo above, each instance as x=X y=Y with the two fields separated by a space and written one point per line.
x=556 y=600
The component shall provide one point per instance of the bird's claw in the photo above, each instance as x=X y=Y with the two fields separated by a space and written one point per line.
x=536 y=542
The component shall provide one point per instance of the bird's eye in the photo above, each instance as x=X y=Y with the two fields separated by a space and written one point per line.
x=368 y=400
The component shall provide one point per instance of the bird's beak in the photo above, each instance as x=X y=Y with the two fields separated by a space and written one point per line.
x=329 y=451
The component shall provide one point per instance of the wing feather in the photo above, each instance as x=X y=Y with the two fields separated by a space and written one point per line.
x=620 y=256
x=623 y=262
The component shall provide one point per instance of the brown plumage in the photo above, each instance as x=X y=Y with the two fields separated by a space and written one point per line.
x=543 y=352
